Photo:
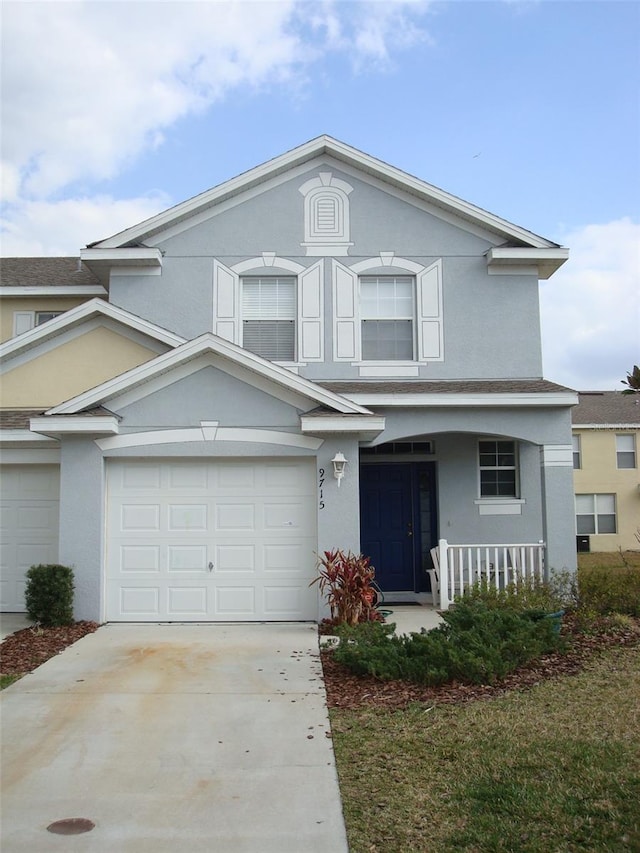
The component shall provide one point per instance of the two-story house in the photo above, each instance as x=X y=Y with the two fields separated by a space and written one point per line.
x=180 y=440
x=606 y=428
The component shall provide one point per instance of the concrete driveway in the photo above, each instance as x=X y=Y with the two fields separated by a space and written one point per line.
x=173 y=738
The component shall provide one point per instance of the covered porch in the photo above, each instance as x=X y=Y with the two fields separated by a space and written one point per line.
x=456 y=568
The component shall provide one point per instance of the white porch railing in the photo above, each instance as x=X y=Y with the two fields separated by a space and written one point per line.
x=458 y=567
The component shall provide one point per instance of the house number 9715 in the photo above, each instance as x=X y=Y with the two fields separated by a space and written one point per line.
x=321 y=488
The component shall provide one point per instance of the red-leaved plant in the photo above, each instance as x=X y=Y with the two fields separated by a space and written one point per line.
x=347 y=581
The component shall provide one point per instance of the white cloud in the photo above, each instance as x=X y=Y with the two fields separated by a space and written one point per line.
x=591 y=308
x=43 y=228
x=88 y=86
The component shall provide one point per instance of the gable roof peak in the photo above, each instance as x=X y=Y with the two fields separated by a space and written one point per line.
x=207 y=344
x=325 y=145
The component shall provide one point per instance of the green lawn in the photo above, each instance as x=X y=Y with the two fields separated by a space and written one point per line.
x=555 y=769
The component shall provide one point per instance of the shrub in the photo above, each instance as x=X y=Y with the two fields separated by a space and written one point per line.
x=605 y=589
x=49 y=595
x=347 y=580
x=558 y=593
x=476 y=644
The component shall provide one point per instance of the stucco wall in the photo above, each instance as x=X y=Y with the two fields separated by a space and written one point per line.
x=70 y=369
x=491 y=323
x=210 y=394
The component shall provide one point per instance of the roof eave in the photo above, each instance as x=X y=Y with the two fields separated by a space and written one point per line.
x=75 y=425
x=546 y=260
x=101 y=261
x=462 y=400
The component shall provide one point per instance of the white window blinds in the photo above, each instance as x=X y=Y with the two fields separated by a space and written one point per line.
x=269 y=316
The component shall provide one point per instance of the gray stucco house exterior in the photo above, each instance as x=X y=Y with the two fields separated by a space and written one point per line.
x=322 y=305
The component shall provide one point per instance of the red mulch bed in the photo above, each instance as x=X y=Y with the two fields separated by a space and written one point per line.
x=348 y=691
x=25 y=650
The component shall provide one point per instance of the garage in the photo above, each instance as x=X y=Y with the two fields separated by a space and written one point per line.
x=211 y=540
x=29 y=508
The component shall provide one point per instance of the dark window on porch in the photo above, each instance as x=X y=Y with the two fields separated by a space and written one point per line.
x=498 y=470
x=399 y=448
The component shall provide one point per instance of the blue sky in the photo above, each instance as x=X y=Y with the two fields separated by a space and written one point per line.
x=114 y=111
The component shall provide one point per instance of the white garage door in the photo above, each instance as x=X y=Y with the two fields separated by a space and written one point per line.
x=217 y=541
x=29 y=506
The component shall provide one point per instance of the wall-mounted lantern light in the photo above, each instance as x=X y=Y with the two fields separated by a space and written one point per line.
x=339 y=464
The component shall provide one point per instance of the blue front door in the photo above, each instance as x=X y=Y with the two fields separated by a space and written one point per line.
x=388 y=524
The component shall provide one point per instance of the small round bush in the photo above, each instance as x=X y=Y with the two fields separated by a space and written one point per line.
x=49 y=595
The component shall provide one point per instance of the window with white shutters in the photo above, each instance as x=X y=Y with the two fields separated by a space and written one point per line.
x=387 y=309
x=269 y=316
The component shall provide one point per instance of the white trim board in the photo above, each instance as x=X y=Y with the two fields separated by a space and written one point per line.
x=54 y=290
x=606 y=426
x=453 y=399
x=210 y=434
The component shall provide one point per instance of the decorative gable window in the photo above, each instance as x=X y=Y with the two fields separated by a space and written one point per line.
x=387 y=317
x=269 y=316
x=498 y=469
x=326 y=215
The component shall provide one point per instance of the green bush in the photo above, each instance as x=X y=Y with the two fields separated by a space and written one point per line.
x=558 y=593
x=603 y=590
x=477 y=644
x=49 y=595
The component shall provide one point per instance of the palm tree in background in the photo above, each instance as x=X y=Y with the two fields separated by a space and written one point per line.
x=632 y=381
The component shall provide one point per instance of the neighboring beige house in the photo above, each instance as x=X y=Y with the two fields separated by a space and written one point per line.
x=34 y=290
x=606 y=426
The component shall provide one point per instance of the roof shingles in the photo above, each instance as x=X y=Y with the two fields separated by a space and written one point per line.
x=45 y=272
x=606 y=407
x=472 y=386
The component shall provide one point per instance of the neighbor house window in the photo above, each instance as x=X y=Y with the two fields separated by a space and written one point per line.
x=44 y=316
x=498 y=469
x=577 y=459
x=387 y=308
x=269 y=316
x=625 y=451
x=23 y=321
x=595 y=514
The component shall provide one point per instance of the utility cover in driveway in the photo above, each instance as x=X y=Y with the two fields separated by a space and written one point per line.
x=173 y=739
x=200 y=540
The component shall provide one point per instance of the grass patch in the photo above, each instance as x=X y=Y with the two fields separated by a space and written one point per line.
x=6 y=680
x=552 y=769
x=609 y=560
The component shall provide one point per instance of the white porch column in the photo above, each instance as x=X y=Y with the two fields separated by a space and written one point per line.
x=558 y=506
